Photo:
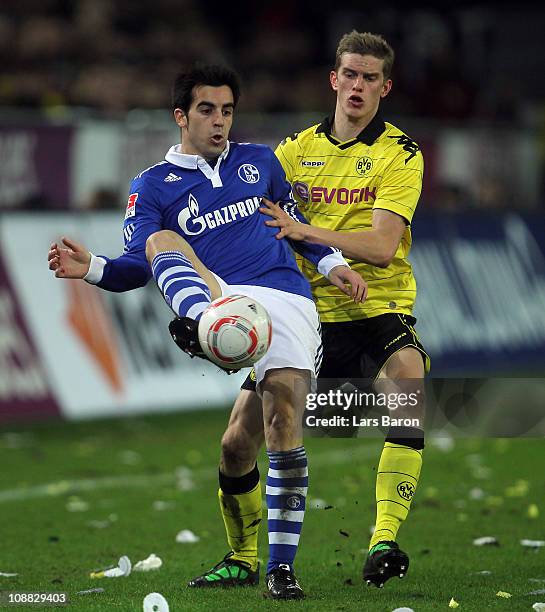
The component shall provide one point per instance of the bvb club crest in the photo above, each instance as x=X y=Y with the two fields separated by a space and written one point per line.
x=405 y=490
x=364 y=165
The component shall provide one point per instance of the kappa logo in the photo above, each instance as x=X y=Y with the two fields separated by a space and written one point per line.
x=248 y=173
x=171 y=178
x=131 y=205
x=408 y=145
x=406 y=490
x=312 y=163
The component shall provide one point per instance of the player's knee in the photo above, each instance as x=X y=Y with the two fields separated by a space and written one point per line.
x=164 y=240
x=237 y=447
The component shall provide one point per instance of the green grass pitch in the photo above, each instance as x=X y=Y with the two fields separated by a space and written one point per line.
x=115 y=471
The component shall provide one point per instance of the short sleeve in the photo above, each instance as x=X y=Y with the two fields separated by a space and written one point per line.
x=401 y=185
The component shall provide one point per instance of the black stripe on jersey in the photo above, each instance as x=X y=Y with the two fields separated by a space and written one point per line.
x=395 y=202
x=370 y=283
x=345 y=175
x=317 y=212
x=404 y=187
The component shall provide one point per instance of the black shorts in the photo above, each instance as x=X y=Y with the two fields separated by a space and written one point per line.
x=359 y=349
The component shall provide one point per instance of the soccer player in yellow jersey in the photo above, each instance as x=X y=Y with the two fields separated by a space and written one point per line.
x=357 y=179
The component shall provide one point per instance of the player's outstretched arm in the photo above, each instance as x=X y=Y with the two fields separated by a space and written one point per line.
x=69 y=259
x=376 y=246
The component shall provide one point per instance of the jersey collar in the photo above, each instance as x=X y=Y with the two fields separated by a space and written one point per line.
x=194 y=162
x=367 y=136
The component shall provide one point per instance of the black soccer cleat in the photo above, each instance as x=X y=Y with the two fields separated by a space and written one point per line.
x=282 y=584
x=384 y=561
x=185 y=333
x=227 y=573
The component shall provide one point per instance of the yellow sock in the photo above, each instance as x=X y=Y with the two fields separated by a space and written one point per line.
x=397 y=479
x=242 y=516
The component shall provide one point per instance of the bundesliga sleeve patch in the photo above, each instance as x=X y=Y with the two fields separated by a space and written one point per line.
x=131 y=205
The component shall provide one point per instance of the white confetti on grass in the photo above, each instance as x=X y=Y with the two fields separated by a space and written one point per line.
x=153 y=562
x=539 y=606
x=159 y=505
x=186 y=536
x=443 y=442
x=96 y=524
x=184 y=478
x=155 y=602
x=533 y=543
x=123 y=569
x=7 y=575
x=75 y=504
x=453 y=603
x=486 y=541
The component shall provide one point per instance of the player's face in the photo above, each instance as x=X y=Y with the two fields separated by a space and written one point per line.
x=360 y=85
x=206 y=126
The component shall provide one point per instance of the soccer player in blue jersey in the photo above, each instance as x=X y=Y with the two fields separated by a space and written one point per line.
x=192 y=222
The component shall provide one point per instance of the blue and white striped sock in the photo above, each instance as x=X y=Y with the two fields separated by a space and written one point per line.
x=182 y=287
x=287 y=483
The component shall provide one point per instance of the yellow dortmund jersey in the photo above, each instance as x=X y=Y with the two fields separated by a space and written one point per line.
x=337 y=186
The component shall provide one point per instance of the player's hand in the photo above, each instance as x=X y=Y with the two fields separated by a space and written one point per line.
x=341 y=276
x=69 y=259
x=289 y=227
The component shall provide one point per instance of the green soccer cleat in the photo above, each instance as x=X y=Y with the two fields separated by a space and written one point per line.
x=227 y=573
x=384 y=561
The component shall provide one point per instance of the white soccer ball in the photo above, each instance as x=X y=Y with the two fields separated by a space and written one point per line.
x=235 y=331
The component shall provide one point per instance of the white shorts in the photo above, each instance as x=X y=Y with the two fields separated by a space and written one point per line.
x=296 y=338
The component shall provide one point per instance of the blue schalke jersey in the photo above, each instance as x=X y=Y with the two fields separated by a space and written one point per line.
x=215 y=209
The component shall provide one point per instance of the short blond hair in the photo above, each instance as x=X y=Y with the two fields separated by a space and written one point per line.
x=366 y=43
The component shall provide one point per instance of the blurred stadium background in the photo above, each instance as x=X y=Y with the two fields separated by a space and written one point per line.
x=84 y=97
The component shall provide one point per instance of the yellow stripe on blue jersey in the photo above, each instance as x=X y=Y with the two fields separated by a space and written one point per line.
x=337 y=186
